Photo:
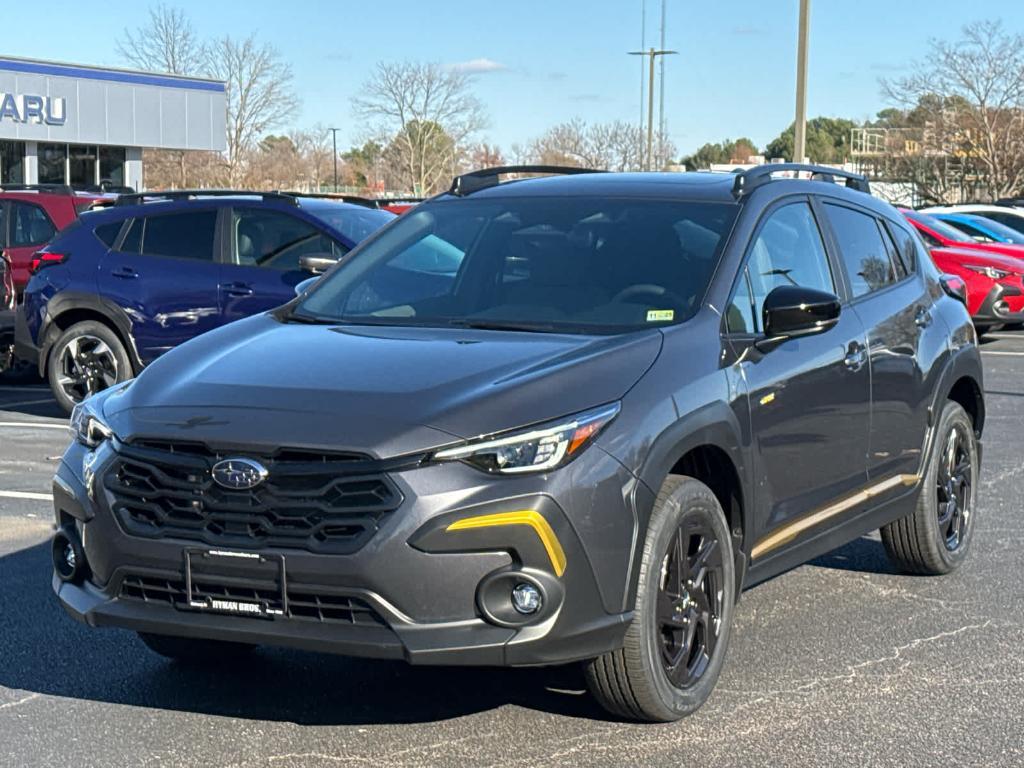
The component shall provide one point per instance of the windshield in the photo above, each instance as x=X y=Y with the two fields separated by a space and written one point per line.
x=994 y=230
x=356 y=224
x=942 y=228
x=571 y=265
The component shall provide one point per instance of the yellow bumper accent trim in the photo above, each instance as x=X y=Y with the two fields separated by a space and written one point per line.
x=523 y=517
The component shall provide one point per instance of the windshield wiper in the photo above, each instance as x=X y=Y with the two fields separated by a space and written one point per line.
x=502 y=325
x=294 y=317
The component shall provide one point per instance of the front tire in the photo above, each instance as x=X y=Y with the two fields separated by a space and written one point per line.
x=935 y=537
x=675 y=646
x=87 y=358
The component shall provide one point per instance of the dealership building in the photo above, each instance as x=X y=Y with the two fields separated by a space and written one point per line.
x=83 y=126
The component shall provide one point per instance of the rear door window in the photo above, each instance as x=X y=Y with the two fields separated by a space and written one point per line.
x=30 y=225
x=188 y=235
x=107 y=233
x=864 y=252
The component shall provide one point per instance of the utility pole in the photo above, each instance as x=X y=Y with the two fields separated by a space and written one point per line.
x=643 y=70
x=653 y=54
x=661 y=85
x=334 y=141
x=800 y=137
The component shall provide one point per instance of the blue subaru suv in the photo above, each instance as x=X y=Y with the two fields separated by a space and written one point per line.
x=126 y=284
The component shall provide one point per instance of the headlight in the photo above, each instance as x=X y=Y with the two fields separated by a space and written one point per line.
x=87 y=428
x=535 y=449
x=987 y=271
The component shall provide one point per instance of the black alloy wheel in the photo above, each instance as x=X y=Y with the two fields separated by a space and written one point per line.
x=954 y=480
x=689 y=613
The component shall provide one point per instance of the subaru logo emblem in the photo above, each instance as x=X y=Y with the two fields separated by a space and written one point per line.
x=239 y=474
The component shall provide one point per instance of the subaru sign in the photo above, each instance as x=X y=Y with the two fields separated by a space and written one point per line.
x=32 y=108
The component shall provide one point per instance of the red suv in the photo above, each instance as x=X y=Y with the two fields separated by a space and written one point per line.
x=6 y=312
x=31 y=214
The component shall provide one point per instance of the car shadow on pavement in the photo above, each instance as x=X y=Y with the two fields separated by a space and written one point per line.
x=42 y=650
x=863 y=555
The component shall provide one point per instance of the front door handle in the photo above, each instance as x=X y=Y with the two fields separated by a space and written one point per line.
x=126 y=273
x=237 y=290
x=856 y=356
x=923 y=318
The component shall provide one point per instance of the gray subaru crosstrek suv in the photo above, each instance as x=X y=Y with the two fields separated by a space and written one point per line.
x=542 y=421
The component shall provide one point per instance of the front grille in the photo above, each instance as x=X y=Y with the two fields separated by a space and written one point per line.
x=330 y=503
x=302 y=603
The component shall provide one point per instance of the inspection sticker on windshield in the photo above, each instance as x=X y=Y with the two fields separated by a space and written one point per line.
x=660 y=315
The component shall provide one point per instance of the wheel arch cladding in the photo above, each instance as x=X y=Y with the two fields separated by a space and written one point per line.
x=967 y=393
x=705 y=445
x=80 y=314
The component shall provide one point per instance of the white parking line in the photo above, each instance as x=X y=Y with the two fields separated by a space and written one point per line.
x=25 y=495
x=31 y=424
x=1002 y=354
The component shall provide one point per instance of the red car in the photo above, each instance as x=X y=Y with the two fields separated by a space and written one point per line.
x=995 y=291
x=6 y=311
x=36 y=213
x=939 y=234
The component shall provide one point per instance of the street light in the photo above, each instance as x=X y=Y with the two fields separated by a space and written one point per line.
x=652 y=54
x=334 y=140
x=800 y=125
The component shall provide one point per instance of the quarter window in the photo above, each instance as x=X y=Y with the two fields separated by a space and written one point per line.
x=865 y=255
x=30 y=225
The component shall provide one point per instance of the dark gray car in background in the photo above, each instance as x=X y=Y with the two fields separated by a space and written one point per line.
x=536 y=422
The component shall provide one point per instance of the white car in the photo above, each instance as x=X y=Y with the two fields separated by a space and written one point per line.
x=1008 y=215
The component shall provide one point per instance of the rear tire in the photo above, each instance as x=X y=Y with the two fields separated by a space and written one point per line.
x=189 y=650
x=935 y=537
x=87 y=358
x=682 y=614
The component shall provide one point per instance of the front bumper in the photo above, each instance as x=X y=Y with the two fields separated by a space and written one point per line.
x=420 y=575
x=1003 y=304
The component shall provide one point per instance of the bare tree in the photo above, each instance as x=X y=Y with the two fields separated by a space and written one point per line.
x=166 y=43
x=614 y=146
x=967 y=100
x=314 y=147
x=259 y=95
x=426 y=114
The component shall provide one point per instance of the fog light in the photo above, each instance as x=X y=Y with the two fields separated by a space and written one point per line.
x=68 y=557
x=526 y=598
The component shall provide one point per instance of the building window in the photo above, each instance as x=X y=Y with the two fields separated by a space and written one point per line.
x=112 y=166
x=52 y=159
x=12 y=162
x=82 y=166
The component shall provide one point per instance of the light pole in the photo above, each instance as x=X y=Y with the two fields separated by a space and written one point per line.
x=652 y=54
x=334 y=141
x=800 y=126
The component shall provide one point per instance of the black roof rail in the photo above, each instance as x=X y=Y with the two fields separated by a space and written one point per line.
x=474 y=181
x=56 y=189
x=341 y=197
x=179 y=194
x=749 y=180
x=1010 y=201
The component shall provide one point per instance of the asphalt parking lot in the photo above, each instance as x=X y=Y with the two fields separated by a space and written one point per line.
x=840 y=662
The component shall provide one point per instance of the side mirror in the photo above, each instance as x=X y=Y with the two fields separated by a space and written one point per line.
x=791 y=310
x=317 y=263
x=305 y=285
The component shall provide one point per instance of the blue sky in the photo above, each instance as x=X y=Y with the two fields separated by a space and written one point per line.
x=546 y=61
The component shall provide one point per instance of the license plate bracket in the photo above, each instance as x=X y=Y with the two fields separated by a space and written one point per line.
x=231 y=564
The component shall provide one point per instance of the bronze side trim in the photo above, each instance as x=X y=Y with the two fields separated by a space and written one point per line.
x=790 y=531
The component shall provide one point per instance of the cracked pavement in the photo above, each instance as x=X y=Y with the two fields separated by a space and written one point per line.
x=839 y=662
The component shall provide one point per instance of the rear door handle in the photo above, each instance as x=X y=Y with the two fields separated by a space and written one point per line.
x=856 y=356
x=923 y=318
x=126 y=273
x=237 y=290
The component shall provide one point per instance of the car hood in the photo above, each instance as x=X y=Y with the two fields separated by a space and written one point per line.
x=376 y=390
x=980 y=258
x=1001 y=249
